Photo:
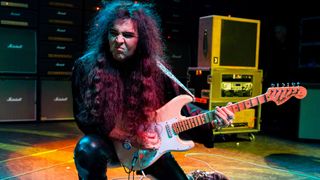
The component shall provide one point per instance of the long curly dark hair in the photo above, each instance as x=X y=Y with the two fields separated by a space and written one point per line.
x=130 y=92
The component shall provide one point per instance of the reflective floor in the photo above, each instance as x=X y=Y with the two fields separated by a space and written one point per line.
x=45 y=151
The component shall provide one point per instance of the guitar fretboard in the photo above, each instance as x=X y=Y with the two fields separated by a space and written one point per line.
x=207 y=117
x=277 y=94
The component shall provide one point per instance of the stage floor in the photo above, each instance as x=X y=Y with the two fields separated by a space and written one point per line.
x=44 y=151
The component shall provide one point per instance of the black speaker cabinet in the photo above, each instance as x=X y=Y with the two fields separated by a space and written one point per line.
x=59 y=50
x=60 y=16
x=56 y=100
x=18 y=52
x=179 y=57
x=294 y=119
x=17 y=99
x=309 y=120
x=59 y=33
x=18 y=17
x=55 y=67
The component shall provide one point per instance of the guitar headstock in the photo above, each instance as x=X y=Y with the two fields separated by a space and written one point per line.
x=282 y=94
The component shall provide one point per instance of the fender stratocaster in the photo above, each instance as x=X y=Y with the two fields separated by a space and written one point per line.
x=169 y=123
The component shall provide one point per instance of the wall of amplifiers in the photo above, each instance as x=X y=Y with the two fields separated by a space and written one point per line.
x=39 y=42
x=227 y=69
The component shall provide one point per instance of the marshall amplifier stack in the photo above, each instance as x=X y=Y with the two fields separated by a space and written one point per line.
x=59 y=36
x=227 y=71
x=39 y=42
x=18 y=60
x=60 y=44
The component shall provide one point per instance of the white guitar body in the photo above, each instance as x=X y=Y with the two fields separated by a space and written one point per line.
x=137 y=159
x=169 y=123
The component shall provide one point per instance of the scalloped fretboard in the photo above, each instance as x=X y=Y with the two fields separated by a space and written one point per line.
x=277 y=94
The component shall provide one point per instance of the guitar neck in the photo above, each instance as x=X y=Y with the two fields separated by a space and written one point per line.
x=207 y=117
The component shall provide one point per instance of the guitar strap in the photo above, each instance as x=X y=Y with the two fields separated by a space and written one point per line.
x=167 y=72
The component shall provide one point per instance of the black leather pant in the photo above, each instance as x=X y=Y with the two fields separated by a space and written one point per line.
x=93 y=154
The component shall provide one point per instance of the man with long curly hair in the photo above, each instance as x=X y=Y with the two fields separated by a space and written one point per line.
x=117 y=88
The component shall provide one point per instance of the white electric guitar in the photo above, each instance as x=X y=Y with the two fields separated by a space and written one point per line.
x=170 y=123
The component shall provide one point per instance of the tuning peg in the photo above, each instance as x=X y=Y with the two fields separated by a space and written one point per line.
x=288 y=84
x=272 y=84
x=293 y=84
x=277 y=84
x=283 y=84
x=298 y=83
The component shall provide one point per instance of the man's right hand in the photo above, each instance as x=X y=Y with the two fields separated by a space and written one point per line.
x=148 y=137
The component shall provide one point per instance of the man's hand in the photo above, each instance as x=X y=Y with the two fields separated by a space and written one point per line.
x=148 y=137
x=223 y=117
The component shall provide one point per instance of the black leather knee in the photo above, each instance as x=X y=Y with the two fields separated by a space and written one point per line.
x=91 y=156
